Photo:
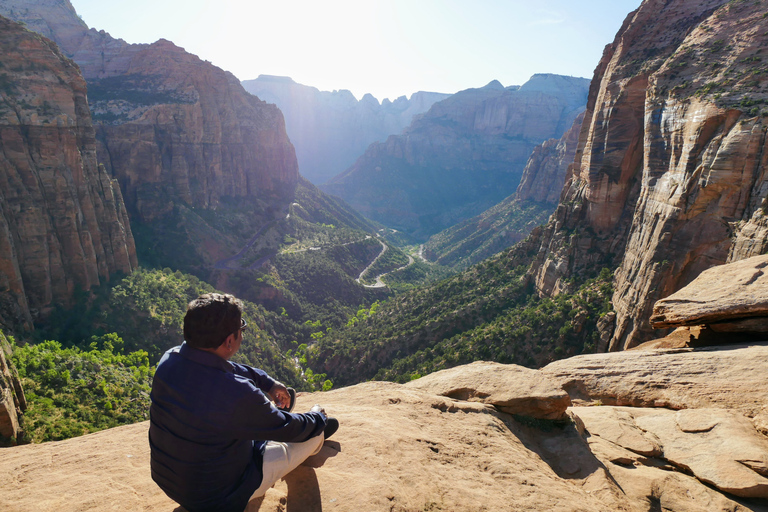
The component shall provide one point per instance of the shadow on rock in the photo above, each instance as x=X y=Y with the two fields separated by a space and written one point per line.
x=558 y=443
x=303 y=489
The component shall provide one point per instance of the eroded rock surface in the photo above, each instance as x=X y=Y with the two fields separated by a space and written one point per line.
x=725 y=377
x=513 y=389
x=171 y=127
x=406 y=448
x=736 y=292
x=63 y=222
x=670 y=173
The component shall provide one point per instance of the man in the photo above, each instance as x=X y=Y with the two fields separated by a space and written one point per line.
x=216 y=439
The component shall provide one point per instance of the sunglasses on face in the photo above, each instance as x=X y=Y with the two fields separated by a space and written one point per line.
x=243 y=326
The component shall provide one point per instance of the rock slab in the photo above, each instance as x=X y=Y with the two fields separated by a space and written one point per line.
x=511 y=388
x=734 y=291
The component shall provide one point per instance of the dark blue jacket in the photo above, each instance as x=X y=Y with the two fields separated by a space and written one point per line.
x=209 y=421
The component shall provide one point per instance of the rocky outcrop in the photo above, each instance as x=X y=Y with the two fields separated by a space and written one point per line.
x=330 y=130
x=466 y=154
x=511 y=220
x=170 y=127
x=510 y=388
x=12 y=399
x=410 y=447
x=670 y=175
x=63 y=223
x=726 y=298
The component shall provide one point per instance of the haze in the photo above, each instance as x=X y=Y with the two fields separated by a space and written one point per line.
x=387 y=48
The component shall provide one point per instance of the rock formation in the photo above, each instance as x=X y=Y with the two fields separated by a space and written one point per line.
x=463 y=156
x=692 y=442
x=171 y=127
x=12 y=399
x=63 y=224
x=670 y=175
x=330 y=130
x=511 y=220
x=726 y=298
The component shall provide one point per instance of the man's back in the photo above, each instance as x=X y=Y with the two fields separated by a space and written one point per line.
x=208 y=422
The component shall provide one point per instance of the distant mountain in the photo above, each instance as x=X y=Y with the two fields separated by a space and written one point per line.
x=511 y=220
x=330 y=130
x=463 y=156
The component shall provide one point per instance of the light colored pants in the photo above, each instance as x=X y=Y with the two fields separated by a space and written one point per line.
x=282 y=458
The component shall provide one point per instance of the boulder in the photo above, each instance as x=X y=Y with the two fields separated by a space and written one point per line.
x=735 y=292
x=511 y=388
x=725 y=377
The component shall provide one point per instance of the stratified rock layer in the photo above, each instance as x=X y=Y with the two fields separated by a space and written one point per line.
x=330 y=130
x=63 y=223
x=171 y=127
x=511 y=388
x=670 y=176
x=724 y=293
x=463 y=156
x=12 y=399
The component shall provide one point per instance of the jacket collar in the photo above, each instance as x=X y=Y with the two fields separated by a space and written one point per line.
x=205 y=358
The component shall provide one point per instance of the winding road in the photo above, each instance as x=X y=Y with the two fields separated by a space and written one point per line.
x=231 y=263
x=379 y=283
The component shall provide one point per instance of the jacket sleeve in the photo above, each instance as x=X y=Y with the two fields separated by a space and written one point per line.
x=255 y=417
x=262 y=380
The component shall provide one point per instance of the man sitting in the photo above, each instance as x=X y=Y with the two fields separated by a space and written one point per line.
x=216 y=439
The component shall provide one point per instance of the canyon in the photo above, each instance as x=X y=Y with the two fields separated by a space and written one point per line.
x=510 y=221
x=330 y=130
x=464 y=155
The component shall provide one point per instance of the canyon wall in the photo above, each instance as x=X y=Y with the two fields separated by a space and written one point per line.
x=670 y=172
x=63 y=223
x=170 y=127
x=511 y=220
x=466 y=154
x=330 y=130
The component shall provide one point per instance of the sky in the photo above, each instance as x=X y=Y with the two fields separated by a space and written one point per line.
x=388 y=48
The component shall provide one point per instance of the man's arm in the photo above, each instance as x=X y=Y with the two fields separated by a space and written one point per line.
x=275 y=389
x=255 y=417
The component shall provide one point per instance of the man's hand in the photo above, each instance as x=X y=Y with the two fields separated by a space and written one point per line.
x=279 y=394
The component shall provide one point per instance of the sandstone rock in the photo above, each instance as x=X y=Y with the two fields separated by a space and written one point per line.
x=719 y=447
x=170 y=126
x=674 y=378
x=725 y=292
x=511 y=388
x=463 y=156
x=398 y=449
x=670 y=174
x=617 y=425
x=63 y=223
x=12 y=399
x=330 y=130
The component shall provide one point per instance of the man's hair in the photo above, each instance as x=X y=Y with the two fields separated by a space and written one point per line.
x=210 y=319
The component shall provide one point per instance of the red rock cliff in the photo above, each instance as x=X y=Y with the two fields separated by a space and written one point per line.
x=170 y=126
x=63 y=223
x=670 y=173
